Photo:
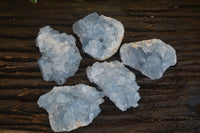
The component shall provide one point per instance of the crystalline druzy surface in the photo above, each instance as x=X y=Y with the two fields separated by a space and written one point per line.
x=70 y=107
x=116 y=82
x=60 y=56
x=151 y=57
x=100 y=36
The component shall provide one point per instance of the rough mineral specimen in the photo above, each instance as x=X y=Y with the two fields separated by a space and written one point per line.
x=116 y=82
x=151 y=57
x=70 y=107
x=100 y=36
x=60 y=56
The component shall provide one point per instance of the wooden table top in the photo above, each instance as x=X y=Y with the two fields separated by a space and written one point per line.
x=168 y=105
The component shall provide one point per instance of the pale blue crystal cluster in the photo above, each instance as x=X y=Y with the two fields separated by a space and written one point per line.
x=100 y=36
x=151 y=57
x=60 y=56
x=116 y=82
x=70 y=107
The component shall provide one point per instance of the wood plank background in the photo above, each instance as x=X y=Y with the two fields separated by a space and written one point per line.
x=168 y=105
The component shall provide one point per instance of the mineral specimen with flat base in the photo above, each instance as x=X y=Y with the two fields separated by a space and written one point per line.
x=60 y=56
x=151 y=57
x=70 y=107
x=100 y=36
x=116 y=82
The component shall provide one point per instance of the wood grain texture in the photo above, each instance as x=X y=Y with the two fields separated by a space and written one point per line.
x=170 y=104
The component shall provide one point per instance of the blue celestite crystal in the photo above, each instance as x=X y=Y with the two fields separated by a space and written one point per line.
x=100 y=36
x=71 y=107
x=151 y=57
x=60 y=56
x=116 y=82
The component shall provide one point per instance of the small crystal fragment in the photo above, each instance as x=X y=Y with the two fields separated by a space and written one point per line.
x=116 y=82
x=100 y=36
x=60 y=56
x=71 y=107
x=151 y=57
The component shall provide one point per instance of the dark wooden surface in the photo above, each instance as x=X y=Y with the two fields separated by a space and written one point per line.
x=168 y=105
